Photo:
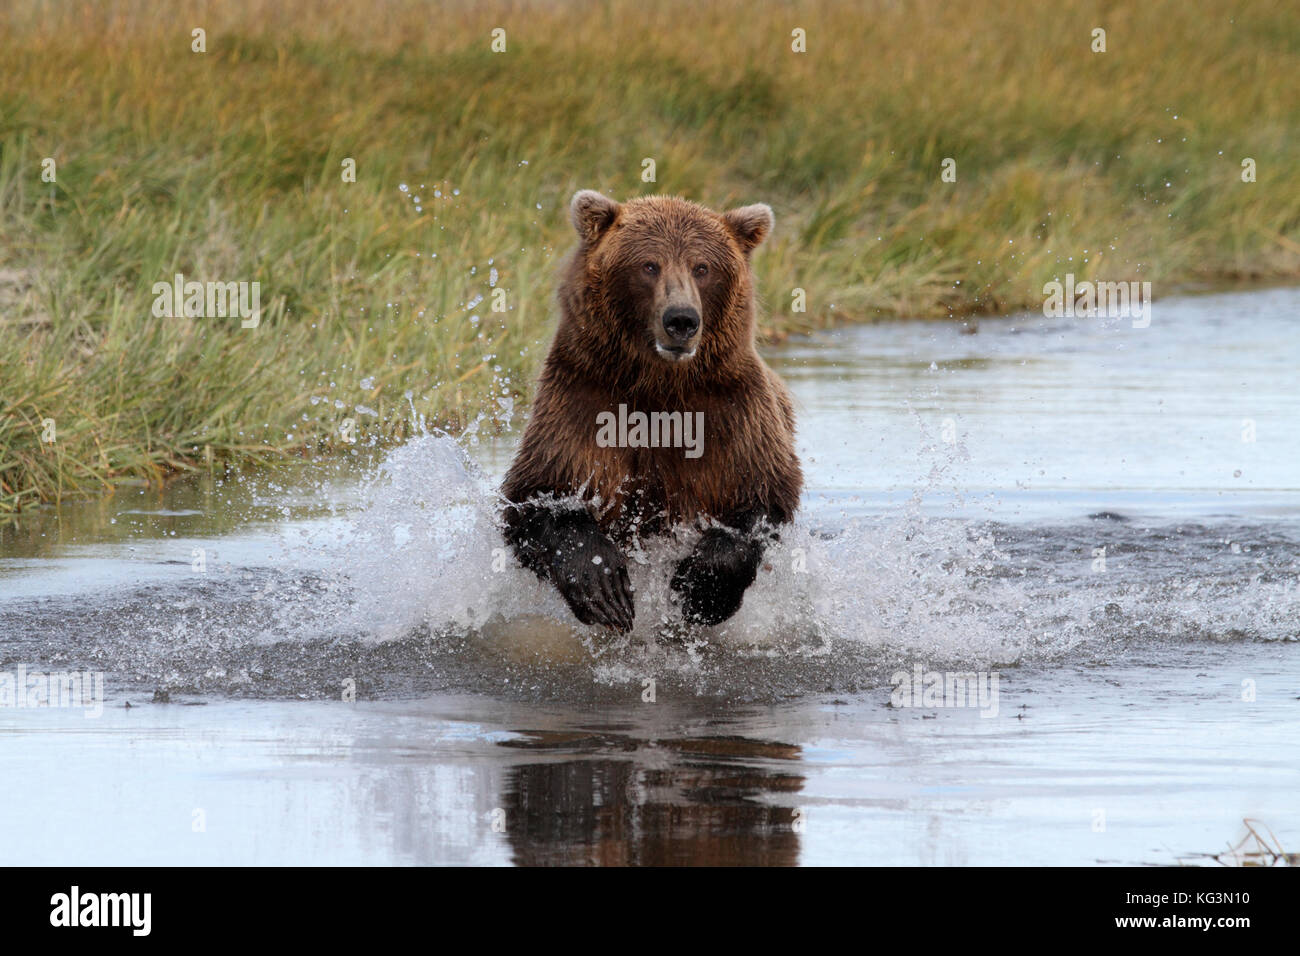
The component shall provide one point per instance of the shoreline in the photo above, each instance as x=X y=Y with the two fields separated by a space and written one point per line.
x=274 y=458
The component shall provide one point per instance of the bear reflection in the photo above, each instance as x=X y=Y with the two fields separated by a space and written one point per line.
x=703 y=801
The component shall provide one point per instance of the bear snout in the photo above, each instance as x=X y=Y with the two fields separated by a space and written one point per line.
x=678 y=333
x=681 y=323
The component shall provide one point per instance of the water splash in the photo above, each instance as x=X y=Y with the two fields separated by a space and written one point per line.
x=413 y=590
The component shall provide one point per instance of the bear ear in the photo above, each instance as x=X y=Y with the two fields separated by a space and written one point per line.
x=592 y=214
x=750 y=224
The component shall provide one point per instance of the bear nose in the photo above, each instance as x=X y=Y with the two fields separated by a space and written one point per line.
x=681 y=322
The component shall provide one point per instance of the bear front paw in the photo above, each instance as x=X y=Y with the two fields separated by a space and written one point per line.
x=592 y=579
x=713 y=578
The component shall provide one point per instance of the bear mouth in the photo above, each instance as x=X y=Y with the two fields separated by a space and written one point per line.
x=675 y=353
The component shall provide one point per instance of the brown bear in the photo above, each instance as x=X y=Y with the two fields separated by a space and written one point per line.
x=653 y=410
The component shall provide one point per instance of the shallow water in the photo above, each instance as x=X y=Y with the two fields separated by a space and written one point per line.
x=1105 y=520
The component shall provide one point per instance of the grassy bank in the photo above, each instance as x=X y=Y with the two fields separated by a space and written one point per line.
x=226 y=166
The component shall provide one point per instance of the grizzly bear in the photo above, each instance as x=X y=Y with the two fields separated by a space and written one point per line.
x=654 y=410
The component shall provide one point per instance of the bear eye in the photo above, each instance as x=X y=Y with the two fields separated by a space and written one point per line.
x=701 y=271
x=651 y=268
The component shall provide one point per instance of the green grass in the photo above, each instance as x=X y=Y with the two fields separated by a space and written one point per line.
x=226 y=166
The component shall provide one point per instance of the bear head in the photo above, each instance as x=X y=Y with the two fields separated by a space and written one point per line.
x=663 y=281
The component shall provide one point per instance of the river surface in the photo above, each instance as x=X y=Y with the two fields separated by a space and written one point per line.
x=1041 y=606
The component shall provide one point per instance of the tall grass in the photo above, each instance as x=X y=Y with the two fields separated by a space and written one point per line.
x=226 y=165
